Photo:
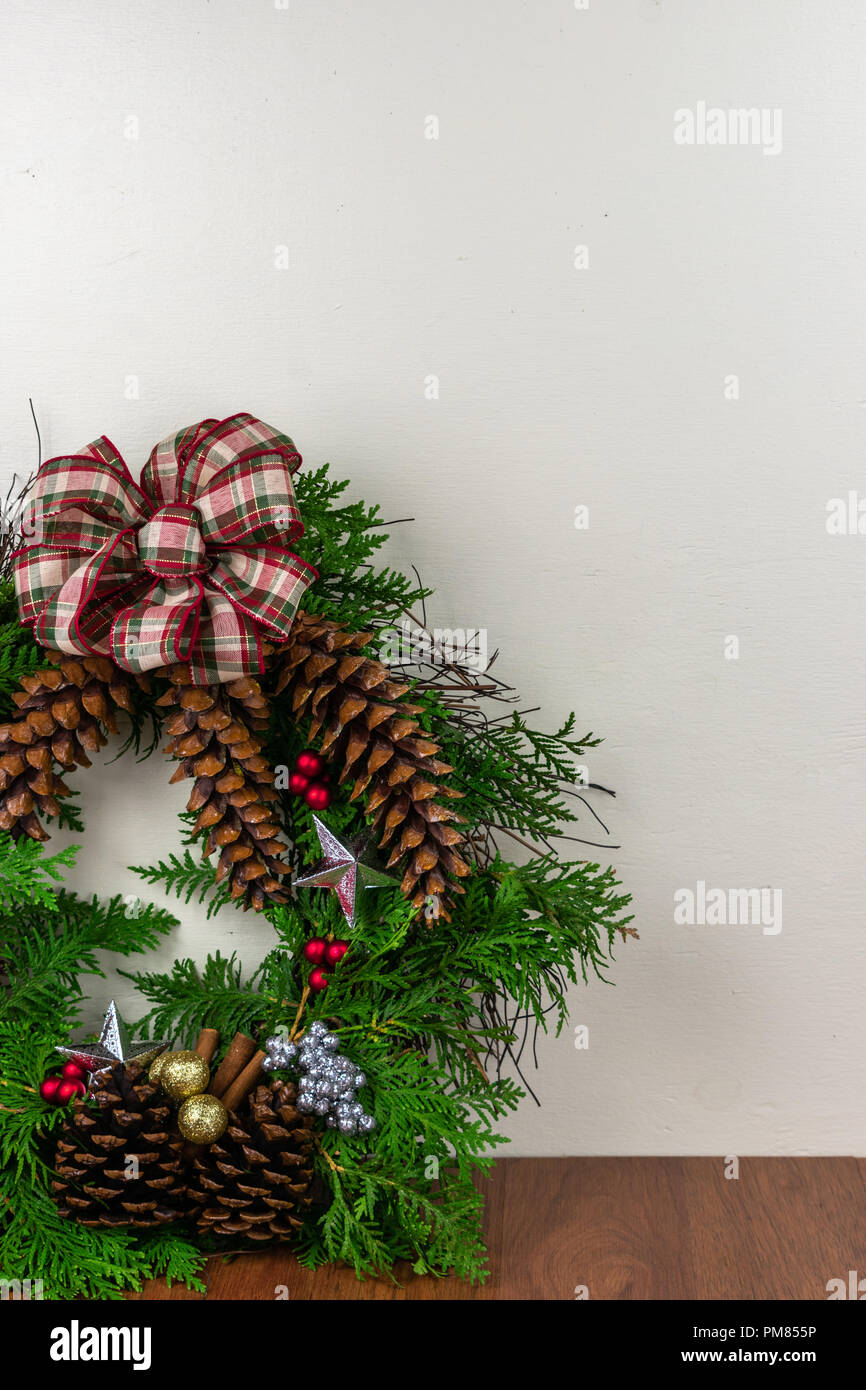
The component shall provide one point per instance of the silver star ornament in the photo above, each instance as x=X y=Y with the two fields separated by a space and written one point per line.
x=343 y=869
x=115 y=1045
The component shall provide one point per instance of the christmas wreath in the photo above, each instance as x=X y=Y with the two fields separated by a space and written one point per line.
x=354 y=779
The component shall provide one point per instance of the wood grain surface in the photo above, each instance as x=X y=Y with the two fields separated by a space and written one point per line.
x=625 y=1228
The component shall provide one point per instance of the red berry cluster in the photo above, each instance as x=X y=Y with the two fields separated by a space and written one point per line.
x=60 y=1090
x=310 y=780
x=321 y=953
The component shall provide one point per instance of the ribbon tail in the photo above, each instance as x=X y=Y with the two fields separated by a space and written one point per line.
x=160 y=628
x=228 y=644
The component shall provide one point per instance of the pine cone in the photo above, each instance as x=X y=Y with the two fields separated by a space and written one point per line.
x=255 y=1180
x=134 y=1120
x=361 y=713
x=62 y=709
x=211 y=732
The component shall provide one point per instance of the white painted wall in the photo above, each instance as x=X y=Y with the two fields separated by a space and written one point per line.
x=154 y=159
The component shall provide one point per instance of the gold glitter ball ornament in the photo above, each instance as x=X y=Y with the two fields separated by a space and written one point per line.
x=183 y=1074
x=202 y=1119
x=157 y=1065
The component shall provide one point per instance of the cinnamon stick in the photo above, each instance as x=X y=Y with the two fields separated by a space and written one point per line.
x=241 y=1049
x=232 y=1097
x=208 y=1041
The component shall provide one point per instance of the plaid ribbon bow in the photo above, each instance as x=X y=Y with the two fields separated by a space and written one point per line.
x=192 y=565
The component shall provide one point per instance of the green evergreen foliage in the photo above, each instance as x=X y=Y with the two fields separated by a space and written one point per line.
x=28 y=875
x=341 y=540
x=49 y=943
x=187 y=878
x=19 y=654
x=439 y=1018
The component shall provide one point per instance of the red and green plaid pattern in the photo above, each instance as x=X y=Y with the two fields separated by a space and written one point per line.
x=262 y=585
x=192 y=565
x=228 y=642
x=250 y=503
x=160 y=628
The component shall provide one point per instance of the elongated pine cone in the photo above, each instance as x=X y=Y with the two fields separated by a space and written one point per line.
x=213 y=732
x=255 y=1180
x=368 y=730
x=95 y=1182
x=62 y=711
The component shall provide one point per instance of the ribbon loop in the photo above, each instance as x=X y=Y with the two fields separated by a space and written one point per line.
x=192 y=565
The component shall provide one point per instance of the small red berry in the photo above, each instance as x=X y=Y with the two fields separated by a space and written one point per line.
x=298 y=783
x=335 y=951
x=318 y=796
x=318 y=979
x=48 y=1089
x=73 y=1072
x=311 y=764
x=67 y=1089
x=314 y=951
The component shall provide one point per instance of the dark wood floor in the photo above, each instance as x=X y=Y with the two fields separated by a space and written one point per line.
x=625 y=1228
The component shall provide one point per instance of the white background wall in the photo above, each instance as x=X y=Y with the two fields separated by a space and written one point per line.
x=154 y=258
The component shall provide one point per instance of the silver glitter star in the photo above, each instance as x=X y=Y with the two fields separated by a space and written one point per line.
x=115 y=1045
x=343 y=870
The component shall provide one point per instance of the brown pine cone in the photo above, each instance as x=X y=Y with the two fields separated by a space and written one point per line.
x=95 y=1183
x=368 y=726
x=255 y=1180
x=62 y=711
x=211 y=732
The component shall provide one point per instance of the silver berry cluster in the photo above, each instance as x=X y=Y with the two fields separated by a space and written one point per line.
x=328 y=1082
